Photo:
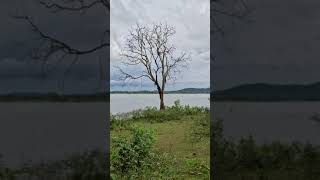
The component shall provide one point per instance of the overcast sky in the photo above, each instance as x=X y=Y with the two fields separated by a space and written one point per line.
x=280 y=45
x=191 y=18
x=19 y=73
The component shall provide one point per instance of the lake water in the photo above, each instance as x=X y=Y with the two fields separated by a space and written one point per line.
x=267 y=121
x=127 y=102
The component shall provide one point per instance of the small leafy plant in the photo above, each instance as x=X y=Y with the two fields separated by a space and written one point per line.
x=129 y=156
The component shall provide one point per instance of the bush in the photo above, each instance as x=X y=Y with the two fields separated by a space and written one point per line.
x=87 y=165
x=128 y=156
x=117 y=122
x=244 y=159
x=134 y=158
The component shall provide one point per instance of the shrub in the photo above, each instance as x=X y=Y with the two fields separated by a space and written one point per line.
x=117 y=122
x=87 y=165
x=128 y=156
x=175 y=112
x=244 y=159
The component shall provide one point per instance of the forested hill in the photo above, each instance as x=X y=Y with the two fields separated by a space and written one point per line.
x=270 y=92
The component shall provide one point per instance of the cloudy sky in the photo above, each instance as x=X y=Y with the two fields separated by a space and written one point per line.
x=19 y=73
x=280 y=44
x=191 y=18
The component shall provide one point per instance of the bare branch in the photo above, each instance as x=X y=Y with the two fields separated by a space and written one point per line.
x=127 y=76
x=220 y=8
x=51 y=45
x=74 y=5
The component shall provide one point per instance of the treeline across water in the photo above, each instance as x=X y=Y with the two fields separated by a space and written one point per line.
x=269 y=92
x=53 y=97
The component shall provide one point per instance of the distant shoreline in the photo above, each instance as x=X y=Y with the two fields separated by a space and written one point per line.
x=52 y=97
x=262 y=92
x=258 y=92
x=181 y=91
x=55 y=98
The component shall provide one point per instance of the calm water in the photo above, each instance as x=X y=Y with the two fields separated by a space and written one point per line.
x=128 y=102
x=284 y=121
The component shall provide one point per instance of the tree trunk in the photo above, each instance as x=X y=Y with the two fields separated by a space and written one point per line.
x=161 y=94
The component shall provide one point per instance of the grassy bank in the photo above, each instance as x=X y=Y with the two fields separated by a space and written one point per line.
x=170 y=144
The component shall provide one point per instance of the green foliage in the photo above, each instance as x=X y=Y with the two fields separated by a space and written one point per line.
x=117 y=122
x=244 y=159
x=135 y=158
x=87 y=165
x=152 y=114
x=128 y=156
x=158 y=164
x=196 y=167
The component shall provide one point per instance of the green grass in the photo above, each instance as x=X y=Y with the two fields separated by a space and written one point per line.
x=182 y=153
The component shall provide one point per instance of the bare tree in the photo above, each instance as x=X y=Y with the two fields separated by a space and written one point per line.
x=150 y=49
x=52 y=48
